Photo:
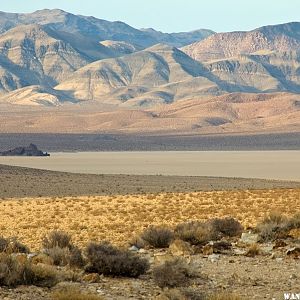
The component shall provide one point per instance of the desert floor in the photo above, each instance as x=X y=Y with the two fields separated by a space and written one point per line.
x=119 y=218
x=119 y=207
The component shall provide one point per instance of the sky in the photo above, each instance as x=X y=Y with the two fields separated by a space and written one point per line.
x=174 y=15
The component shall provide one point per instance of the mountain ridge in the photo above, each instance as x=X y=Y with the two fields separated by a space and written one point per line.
x=116 y=77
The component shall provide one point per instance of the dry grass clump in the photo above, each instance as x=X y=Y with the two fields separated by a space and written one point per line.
x=172 y=273
x=103 y=258
x=158 y=237
x=73 y=293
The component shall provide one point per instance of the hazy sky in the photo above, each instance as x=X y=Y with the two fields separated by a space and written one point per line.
x=174 y=15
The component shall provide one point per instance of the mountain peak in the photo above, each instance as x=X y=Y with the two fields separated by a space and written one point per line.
x=161 y=47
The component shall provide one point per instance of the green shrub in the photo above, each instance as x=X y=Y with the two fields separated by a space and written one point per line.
x=158 y=237
x=103 y=258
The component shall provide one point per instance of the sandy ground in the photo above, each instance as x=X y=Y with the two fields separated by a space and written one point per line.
x=26 y=182
x=278 y=165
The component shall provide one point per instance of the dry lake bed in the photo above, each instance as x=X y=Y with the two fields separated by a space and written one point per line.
x=281 y=165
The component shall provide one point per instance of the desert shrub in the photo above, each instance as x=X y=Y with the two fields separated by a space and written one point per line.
x=42 y=258
x=274 y=226
x=172 y=273
x=59 y=247
x=227 y=226
x=73 y=293
x=195 y=232
x=158 y=237
x=57 y=239
x=138 y=242
x=44 y=275
x=14 y=272
x=59 y=255
x=294 y=222
x=18 y=247
x=253 y=250
x=12 y=245
x=75 y=258
x=103 y=258
x=224 y=296
x=275 y=218
x=3 y=243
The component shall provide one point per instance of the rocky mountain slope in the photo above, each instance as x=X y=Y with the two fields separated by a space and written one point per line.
x=279 y=38
x=139 y=78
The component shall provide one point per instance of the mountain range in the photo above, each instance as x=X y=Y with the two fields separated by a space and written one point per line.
x=198 y=81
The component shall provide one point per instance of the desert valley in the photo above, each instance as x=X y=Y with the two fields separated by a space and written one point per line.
x=137 y=164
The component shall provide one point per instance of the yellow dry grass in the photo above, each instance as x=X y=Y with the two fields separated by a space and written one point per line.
x=119 y=218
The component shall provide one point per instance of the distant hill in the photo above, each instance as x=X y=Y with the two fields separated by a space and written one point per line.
x=97 y=29
x=141 y=77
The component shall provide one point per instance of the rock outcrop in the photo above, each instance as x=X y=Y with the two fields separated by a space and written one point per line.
x=31 y=150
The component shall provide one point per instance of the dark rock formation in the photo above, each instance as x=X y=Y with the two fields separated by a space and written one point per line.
x=31 y=150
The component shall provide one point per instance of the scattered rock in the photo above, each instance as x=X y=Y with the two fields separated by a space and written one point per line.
x=214 y=257
x=280 y=244
x=133 y=248
x=238 y=251
x=249 y=238
x=266 y=249
x=293 y=252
